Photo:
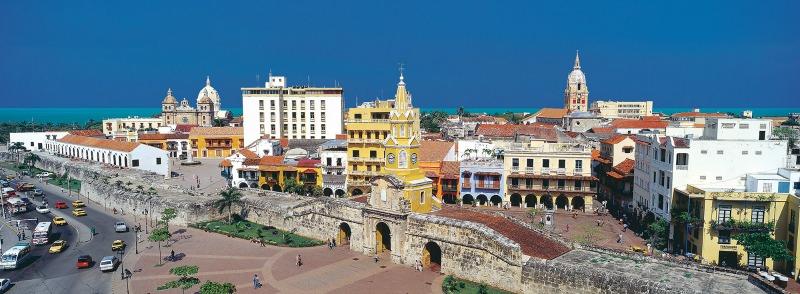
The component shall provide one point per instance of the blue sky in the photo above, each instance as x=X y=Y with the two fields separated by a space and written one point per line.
x=472 y=54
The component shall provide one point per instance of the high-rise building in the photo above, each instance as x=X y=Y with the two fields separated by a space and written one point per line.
x=297 y=112
x=576 y=94
x=622 y=109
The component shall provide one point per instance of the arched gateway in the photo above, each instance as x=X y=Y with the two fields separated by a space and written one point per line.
x=383 y=238
x=432 y=256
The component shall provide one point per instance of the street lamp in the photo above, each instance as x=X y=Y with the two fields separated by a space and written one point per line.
x=146 y=231
x=134 y=214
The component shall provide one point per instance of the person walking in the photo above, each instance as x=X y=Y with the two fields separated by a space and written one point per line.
x=256 y=283
x=625 y=227
x=172 y=255
x=297 y=260
x=567 y=228
x=619 y=240
x=334 y=241
x=376 y=257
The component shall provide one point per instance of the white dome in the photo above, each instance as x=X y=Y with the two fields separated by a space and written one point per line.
x=211 y=92
x=576 y=76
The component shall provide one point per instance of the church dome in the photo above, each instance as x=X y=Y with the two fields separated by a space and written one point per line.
x=576 y=81
x=209 y=91
x=205 y=100
x=169 y=99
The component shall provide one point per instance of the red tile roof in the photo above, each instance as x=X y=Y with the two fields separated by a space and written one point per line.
x=431 y=174
x=162 y=136
x=284 y=142
x=86 y=133
x=572 y=134
x=544 y=133
x=680 y=142
x=638 y=124
x=651 y=118
x=270 y=160
x=247 y=153
x=531 y=243
x=184 y=128
x=615 y=139
x=451 y=167
x=238 y=119
x=615 y=175
x=308 y=162
x=551 y=113
x=100 y=143
x=226 y=163
x=495 y=130
x=626 y=166
x=602 y=130
x=341 y=136
x=434 y=151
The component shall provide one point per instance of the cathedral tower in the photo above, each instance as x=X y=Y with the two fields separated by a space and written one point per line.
x=576 y=95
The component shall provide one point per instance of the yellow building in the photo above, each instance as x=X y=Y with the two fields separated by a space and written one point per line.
x=215 y=142
x=713 y=216
x=367 y=128
x=176 y=144
x=549 y=174
x=273 y=173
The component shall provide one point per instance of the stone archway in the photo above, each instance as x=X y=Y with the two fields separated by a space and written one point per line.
x=482 y=199
x=547 y=201
x=516 y=199
x=254 y=185
x=339 y=193
x=327 y=192
x=242 y=185
x=496 y=199
x=343 y=238
x=450 y=199
x=432 y=256
x=277 y=188
x=577 y=202
x=467 y=199
x=383 y=238
x=562 y=202
x=264 y=186
x=357 y=192
x=530 y=200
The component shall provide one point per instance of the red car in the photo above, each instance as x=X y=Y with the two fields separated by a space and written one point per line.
x=84 y=261
x=61 y=205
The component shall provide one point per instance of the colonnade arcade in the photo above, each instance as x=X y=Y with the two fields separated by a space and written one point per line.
x=111 y=157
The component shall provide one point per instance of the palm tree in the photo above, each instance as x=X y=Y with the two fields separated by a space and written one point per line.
x=488 y=152
x=500 y=154
x=140 y=188
x=31 y=159
x=460 y=111
x=228 y=198
x=218 y=123
x=467 y=153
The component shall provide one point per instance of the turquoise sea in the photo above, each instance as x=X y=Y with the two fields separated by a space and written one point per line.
x=82 y=115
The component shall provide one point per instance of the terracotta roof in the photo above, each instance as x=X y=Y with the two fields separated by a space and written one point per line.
x=680 y=142
x=432 y=136
x=217 y=131
x=698 y=114
x=626 y=166
x=184 y=128
x=495 y=130
x=238 y=119
x=595 y=154
x=572 y=134
x=251 y=161
x=650 y=118
x=662 y=141
x=544 y=133
x=638 y=124
x=451 y=167
x=284 y=142
x=100 y=143
x=431 y=174
x=226 y=163
x=162 y=136
x=341 y=136
x=530 y=242
x=308 y=162
x=551 y=113
x=614 y=139
x=434 y=151
x=603 y=130
x=247 y=153
x=86 y=133
x=270 y=160
x=615 y=175
x=309 y=171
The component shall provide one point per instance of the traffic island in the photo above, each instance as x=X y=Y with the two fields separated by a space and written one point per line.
x=255 y=233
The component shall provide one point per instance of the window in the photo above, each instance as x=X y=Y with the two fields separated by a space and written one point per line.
x=515 y=162
x=744 y=152
x=661 y=178
x=703 y=151
x=529 y=162
x=579 y=164
x=758 y=214
x=135 y=162
x=720 y=152
x=421 y=197
x=766 y=187
x=373 y=154
x=545 y=162
x=311 y=104
x=758 y=152
x=660 y=201
x=578 y=185
x=272 y=103
x=724 y=213
x=158 y=160
x=545 y=183
x=668 y=183
x=724 y=237
x=755 y=260
x=792 y=220
x=702 y=177
x=744 y=126
x=260 y=104
x=562 y=163
x=355 y=153
x=654 y=177
x=383 y=195
x=663 y=155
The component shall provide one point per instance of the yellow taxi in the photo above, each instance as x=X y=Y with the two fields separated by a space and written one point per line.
x=10 y=176
x=78 y=203
x=637 y=249
x=58 y=246
x=59 y=221
x=117 y=245
x=79 y=212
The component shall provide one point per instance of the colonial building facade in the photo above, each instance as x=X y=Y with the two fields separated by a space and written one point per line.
x=576 y=95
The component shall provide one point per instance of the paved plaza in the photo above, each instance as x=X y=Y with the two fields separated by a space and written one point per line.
x=223 y=259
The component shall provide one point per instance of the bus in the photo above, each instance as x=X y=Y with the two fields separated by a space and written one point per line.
x=41 y=235
x=16 y=256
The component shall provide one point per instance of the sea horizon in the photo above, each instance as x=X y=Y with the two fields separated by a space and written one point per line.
x=84 y=114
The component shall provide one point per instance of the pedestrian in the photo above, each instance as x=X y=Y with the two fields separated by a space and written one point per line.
x=598 y=222
x=256 y=283
x=139 y=236
x=329 y=245
x=619 y=240
x=376 y=257
x=648 y=247
x=19 y=236
x=261 y=242
x=567 y=227
x=62 y=190
x=625 y=227
x=334 y=241
x=172 y=255
x=114 y=210
x=297 y=260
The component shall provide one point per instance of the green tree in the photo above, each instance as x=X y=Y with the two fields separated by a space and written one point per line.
x=17 y=149
x=219 y=123
x=159 y=234
x=788 y=134
x=167 y=215
x=315 y=191
x=140 y=188
x=761 y=244
x=210 y=287
x=460 y=111
x=659 y=232
x=483 y=289
x=290 y=185
x=229 y=197
x=431 y=122
x=185 y=281
x=31 y=160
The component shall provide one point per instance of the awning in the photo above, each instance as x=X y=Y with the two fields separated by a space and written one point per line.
x=466 y=172
x=309 y=171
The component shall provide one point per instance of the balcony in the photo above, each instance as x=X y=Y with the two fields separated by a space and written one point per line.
x=529 y=170
x=367 y=121
x=551 y=188
x=364 y=159
x=228 y=146
x=515 y=169
x=494 y=185
x=682 y=167
x=362 y=140
x=363 y=172
x=561 y=171
x=577 y=171
x=449 y=188
x=466 y=185
x=546 y=170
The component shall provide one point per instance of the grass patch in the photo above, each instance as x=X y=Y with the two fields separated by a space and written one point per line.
x=688 y=276
x=453 y=285
x=253 y=231
x=74 y=185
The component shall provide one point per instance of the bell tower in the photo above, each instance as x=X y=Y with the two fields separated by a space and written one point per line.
x=576 y=94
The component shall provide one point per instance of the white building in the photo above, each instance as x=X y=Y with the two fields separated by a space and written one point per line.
x=728 y=151
x=476 y=149
x=113 y=153
x=298 y=112
x=36 y=140
x=123 y=126
x=622 y=109
x=333 y=158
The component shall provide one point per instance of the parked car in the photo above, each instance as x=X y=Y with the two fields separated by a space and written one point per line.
x=38 y=192
x=78 y=203
x=42 y=209
x=117 y=245
x=61 y=205
x=58 y=246
x=43 y=175
x=4 y=183
x=59 y=221
x=84 y=261
x=109 y=263
x=5 y=284
x=120 y=227
x=79 y=212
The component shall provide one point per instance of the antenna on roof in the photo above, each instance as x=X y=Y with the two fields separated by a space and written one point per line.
x=258 y=80
x=309 y=81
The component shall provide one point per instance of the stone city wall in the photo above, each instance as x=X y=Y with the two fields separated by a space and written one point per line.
x=540 y=276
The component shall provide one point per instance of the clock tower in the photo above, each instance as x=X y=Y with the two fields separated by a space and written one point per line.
x=402 y=152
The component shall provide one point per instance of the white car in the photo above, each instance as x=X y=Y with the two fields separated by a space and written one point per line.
x=5 y=284
x=120 y=227
x=43 y=175
x=109 y=263
x=42 y=209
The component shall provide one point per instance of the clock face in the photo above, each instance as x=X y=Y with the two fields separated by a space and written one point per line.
x=414 y=158
x=391 y=158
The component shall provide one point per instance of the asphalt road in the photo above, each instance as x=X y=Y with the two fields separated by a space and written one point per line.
x=56 y=273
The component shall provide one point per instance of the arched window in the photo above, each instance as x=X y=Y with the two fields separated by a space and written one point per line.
x=402 y=161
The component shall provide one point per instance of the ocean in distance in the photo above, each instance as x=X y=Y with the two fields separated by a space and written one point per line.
x=82 y=115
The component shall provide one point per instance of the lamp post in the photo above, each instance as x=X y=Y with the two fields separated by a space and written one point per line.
x=134 y=214
x=146 y=221
x=136 y=245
